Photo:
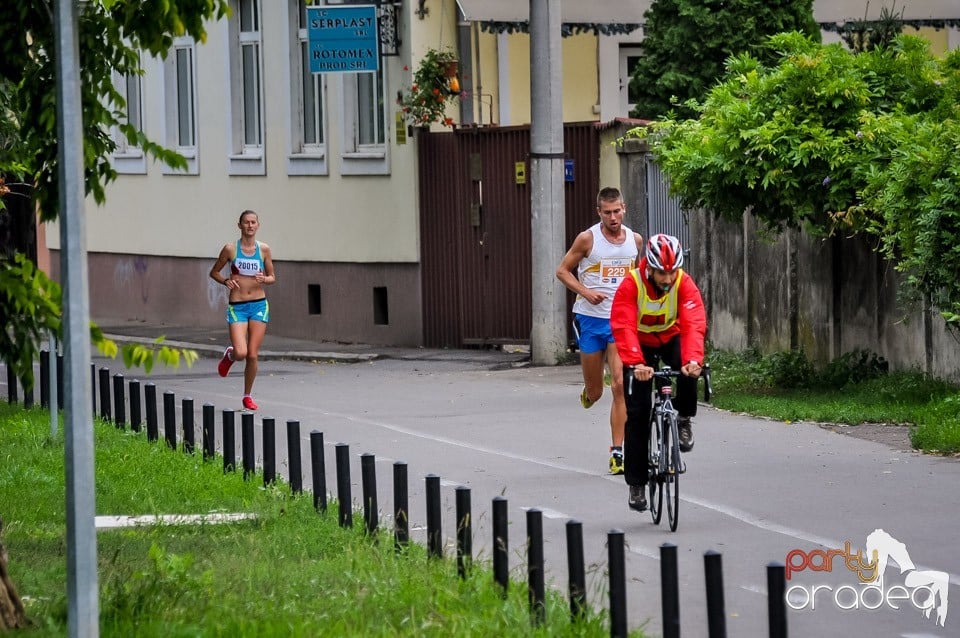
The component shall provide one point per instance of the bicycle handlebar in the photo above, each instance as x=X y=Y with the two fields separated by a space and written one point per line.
x=667 y=372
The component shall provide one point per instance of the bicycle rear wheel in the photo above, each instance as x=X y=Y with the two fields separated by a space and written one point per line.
x=671 y=485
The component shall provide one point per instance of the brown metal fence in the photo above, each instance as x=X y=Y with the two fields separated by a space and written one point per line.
x=475 y=229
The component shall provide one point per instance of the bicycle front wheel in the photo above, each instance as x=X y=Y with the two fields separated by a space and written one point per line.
x=655 y=478
x=671 y=484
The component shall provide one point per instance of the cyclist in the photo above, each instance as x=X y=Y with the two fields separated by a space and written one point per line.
x=657 y=316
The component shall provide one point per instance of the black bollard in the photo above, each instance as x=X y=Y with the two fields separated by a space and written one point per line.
x=776 y=599
x=269 y=450
x=247 y=445
x=318 y=468
x=343 y=485
x=535 y=577
x=616 y=559
x=464 y=531
x=501 y=560
x=368 y=478
x=170 y=419
x=576 y=571
x=669 y=591
x=208 y=434
x=150 y=397
x=11 y=385
x=44 y=378
x=135 y=405
x=229 y=442
x=293 y=456
x=27 y=394
x=189 y=431
x=401 y=506
x=434 y=537
x=119 y=402
x=716 y=614
x=104 y=386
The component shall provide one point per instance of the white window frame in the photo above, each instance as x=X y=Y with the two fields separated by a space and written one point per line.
x=305 y=158
x=128 y=158
x=245 y=157
x=174 y=102
x=359 y=158
x=626 y=52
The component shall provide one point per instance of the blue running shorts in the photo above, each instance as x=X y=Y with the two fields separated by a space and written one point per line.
x=593 y=333
x=244 y=311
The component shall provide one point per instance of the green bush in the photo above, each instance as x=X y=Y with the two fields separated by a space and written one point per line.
x=855 y=366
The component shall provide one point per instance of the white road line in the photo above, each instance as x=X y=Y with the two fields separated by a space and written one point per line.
x=115 y=522
x=737 y=514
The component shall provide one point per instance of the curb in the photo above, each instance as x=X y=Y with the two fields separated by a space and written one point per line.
x=217 y=351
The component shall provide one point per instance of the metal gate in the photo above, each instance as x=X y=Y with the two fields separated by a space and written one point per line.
x=664 y=214
x=475 y=228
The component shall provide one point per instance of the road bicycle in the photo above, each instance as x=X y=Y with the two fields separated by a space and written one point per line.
x=666 y=462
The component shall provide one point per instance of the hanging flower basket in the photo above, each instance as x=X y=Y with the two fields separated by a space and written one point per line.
x=435 y=85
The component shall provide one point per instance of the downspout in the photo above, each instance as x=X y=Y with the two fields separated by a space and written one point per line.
x=464 y=52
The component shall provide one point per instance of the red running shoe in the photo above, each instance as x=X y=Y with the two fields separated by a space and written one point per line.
x=224 y=366
x=249 y=404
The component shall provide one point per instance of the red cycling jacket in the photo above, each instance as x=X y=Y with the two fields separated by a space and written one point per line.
x=689 y=319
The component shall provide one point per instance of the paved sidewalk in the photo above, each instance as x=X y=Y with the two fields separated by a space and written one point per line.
x=210 y=342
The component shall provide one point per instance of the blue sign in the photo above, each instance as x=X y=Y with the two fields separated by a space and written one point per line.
x=568 y=170
x=343 y=39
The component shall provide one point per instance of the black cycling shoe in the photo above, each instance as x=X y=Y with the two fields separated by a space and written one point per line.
x=637 y=499
x=686 y=434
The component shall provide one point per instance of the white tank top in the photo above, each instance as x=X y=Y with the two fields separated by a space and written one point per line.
x=603 y=270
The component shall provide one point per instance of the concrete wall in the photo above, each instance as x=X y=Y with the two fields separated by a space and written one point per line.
x=311 y=300
x=826 y=295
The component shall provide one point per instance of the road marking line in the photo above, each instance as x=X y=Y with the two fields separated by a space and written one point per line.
x=116 y=522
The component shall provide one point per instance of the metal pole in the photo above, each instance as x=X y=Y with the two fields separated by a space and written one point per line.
x=293 y=456
x=248 y=451
x=83 y=611
x=55 y=388
x=434 y=539
x=577 y=574
x=669 y=591
x=716 y=615
x=401 y=506
x=776 y=599
x=344 y=498
x=269 y=450
x=501 y=559
x=464 y=531
x=368 y=478
x=536 y=583
x=547 y=217
x=318 y=469
x=616 y=559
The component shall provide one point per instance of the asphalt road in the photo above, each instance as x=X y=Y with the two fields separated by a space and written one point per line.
x=755 y=490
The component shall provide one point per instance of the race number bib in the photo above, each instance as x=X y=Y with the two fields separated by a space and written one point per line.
x=612 y=271
x=247 y=266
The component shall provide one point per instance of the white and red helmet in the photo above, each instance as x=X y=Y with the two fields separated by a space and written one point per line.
x=664 y=252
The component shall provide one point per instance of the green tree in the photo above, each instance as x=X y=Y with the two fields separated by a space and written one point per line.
x=112 y=34
x=832 y=140
x=687 y=42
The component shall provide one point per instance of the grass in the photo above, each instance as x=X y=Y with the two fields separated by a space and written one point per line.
x=290 y=572
x=853 y=390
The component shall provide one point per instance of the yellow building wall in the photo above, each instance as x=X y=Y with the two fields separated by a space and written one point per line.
x=578 y=70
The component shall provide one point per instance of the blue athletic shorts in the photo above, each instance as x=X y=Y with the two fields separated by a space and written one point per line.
x=244 y=311
x=593 y=333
